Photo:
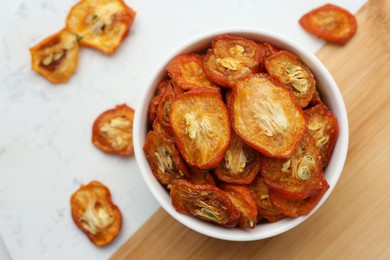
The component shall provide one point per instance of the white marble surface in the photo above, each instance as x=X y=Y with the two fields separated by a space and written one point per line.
x=45 y=147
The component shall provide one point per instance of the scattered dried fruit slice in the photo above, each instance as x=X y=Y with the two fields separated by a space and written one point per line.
x=204 y=201
x=112 y=131
x=230 y=59
x=244 y=200
x=187 y=71
x=331 y=23
x=289 y=70
x=95 y=214
x=201 y=127
x=265 y=208
x=100 y=24
x=297 y=177
x=56 y=57
x=266 y=117
x=164 y=159
x=295 y=208
x=240 y=164
x=322 y=125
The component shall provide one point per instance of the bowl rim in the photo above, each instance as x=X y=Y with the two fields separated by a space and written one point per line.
x=332 y=172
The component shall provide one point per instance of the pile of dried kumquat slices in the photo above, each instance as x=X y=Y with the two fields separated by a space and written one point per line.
x=239 y=134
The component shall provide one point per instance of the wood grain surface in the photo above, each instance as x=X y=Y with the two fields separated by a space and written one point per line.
x=354 y=223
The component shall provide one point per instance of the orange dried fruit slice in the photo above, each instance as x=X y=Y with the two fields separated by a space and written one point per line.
x=164 y=158
x=187 y=71
x=205 y=201
x=297 y=177
x=289 y=70
x=100 y=24
x=95 y=214
x=240 y=164
x=322 y=125
x=231 y=58
x=198 y=176
x=55 y=58
x=266 y=117
x=201 y=127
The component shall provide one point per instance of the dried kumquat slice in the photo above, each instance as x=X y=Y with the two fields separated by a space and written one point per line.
x=206 y=202
x=230 y=59
x=55 y=58
x=187 y=71
x=266 y=117
x=289 y=70
x=95 y=214
x=240 y=164
x=322 y=125
x=331 y=23
x=297 y=177
x=164 y=158
x=198 y=176
x=100 y=24
x=201 y=127
x=112 y=131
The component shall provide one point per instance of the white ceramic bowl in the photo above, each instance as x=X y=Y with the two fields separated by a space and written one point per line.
x=329 y=92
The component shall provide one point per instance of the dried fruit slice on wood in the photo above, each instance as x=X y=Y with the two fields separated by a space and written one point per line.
x=204 y=201
x=95 y=214
x=100 y=24
x=231 y=58
x=164 y=159
x=201 y=127
x=266 y=117
x=289 y=70
x=56 y=57
x=297 y=177
x=322 y=125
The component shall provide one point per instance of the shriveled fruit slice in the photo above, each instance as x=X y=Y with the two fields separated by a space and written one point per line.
x=95 y=214
x=56 y=57
x=289 y=70
x=295 y=208
x=187 y=71
x=164 y=159
x=100 y=24
x=204 y=201
x=201 y=127
x=297 y=177
x=267 y=49
x=162 y=86
x=322 y=125
x=157 y=127
x=266 y=117
x=240 y=164
x=112 y=131
x=198 y=176
x=244 y=200
x=265 y=208
x=331 y=23
x=231 y=58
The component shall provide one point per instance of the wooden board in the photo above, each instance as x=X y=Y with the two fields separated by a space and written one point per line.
x=354 y=223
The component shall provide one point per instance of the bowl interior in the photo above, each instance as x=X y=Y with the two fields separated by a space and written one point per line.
x=329 y=92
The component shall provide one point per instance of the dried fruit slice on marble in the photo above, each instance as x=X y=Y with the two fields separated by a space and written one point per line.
x=295 y=208
x=231 y=58
x=322 y=125
x=187 y=71
x=55 y=58
x=265 y=208
x=100 y=24
x=206 y=202
x=244 y=200
x=289 y=70
x=297 y=177
x=201 y=127
x=266 y=117
x=240 y=164
x=331 y=23
x=164 y=159
x=95 y=214
x=112 y=131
